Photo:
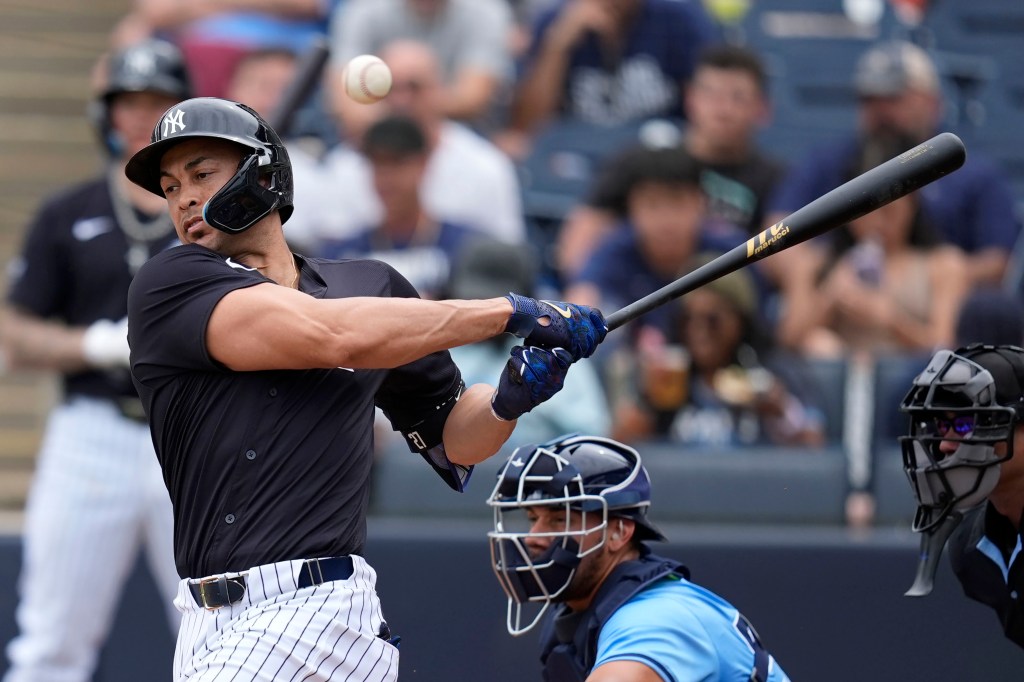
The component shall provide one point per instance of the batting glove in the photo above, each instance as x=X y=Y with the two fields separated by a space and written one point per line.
x=531 y=376
x=105 y=344
x=575 y=328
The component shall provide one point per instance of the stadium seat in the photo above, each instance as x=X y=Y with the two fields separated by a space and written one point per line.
x=564 y=160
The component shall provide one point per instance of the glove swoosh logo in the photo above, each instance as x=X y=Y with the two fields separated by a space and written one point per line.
x=563 y=312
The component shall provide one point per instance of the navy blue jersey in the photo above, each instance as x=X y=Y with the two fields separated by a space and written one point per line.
x=644 y=79
x=74 y=268
x=273 y=465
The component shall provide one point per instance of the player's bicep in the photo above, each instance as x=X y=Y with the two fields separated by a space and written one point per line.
x=264 y=327
x=624 y=671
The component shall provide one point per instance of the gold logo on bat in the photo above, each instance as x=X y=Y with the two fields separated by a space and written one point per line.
x=759 y=243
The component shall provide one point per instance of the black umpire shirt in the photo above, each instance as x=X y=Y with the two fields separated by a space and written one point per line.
x=74 y=268
x=272 y=465
x=985 y=552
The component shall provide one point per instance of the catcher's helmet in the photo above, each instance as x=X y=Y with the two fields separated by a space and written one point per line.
x=244 y=200
x=590 y=475
x=974 y=396
x=151 y=65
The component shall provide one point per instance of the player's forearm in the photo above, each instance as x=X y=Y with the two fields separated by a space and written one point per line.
x=31 y=343
x=472 y=433
x=371 y=333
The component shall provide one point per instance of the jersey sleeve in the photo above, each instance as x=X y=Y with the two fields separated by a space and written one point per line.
x=169 y=305
x=418 y=397
x=39 y=273
x=653 y=632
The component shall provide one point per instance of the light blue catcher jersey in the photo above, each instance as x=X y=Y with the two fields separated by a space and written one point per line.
x=685 y=633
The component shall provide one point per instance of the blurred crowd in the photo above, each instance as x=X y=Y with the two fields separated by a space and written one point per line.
x=440 y=180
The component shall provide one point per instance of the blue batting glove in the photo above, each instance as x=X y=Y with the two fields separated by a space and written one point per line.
x=576 y=328
x=531 y=376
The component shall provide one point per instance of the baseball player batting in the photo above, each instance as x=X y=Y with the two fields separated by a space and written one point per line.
x=260 y=369
x=97 y=492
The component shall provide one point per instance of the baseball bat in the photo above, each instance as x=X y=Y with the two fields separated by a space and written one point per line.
x=307 y=75
x=887 y=182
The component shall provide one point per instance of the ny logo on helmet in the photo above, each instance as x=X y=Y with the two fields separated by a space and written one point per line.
x=174 y=122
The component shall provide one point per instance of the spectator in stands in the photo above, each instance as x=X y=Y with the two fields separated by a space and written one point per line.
x=714 y=379
x=666 y=225
x=216 y=34
x=488 y=268
x=468 y=180
x=900 y=95
x=888 y=283
x=726 y=103
x=261 y=77
x=471 y=39
x=610 y=61
x=98 y=495
x=419 y=245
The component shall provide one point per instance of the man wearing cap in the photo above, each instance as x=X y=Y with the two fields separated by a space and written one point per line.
x=899 y=94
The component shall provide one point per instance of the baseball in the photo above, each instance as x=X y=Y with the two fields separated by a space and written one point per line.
x=367 y=79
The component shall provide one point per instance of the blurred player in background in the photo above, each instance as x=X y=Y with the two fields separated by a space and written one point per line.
x=570 y=530
x=97 y=492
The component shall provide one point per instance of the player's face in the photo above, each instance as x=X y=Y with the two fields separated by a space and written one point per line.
x=548 y=524
x=133 y=116
x=190 y=174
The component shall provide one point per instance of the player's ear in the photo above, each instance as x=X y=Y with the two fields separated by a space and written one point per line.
x=620 y=533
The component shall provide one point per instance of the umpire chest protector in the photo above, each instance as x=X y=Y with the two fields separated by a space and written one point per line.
x=569 y=640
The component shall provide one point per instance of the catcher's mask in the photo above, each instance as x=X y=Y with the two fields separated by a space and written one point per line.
x=598 y=478
x=263 y=181
x=961 y=407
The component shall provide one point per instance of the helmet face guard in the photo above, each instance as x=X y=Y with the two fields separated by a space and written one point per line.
x=595 y=478
x=263 y=182
x=953 y=399
x=962 y=422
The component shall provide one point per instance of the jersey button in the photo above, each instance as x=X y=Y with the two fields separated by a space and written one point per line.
x=250 y=454
x=1013 y=595
x=230 y=518
x=273 y=393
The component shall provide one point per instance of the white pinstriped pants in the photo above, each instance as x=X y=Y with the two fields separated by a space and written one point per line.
x=279 y=633
x=96 y=496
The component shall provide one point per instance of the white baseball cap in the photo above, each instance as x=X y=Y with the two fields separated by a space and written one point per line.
x=892 y=68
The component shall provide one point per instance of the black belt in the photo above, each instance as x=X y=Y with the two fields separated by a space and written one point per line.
x=214 y=593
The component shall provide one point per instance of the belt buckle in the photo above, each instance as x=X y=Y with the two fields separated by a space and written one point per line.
x=203 y=582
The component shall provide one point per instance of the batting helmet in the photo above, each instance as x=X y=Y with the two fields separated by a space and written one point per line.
x=596 y=477
x=151 y=65
x=244 y=200
x=975 y=397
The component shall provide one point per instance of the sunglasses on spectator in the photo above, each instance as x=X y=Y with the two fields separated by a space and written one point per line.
x=961 y=426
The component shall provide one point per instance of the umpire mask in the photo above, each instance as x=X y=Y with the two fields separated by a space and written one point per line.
x=597 y=478
x=963 y=409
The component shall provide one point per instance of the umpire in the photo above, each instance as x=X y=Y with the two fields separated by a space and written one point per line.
x=259 y=370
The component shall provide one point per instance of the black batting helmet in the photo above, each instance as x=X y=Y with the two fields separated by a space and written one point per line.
x=244 y=200
x=151 y=65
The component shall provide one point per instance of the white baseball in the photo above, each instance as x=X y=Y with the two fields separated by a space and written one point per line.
x=367 y=79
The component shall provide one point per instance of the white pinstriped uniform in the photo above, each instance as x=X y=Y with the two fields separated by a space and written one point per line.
x=279 y=633
x=96 y=496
